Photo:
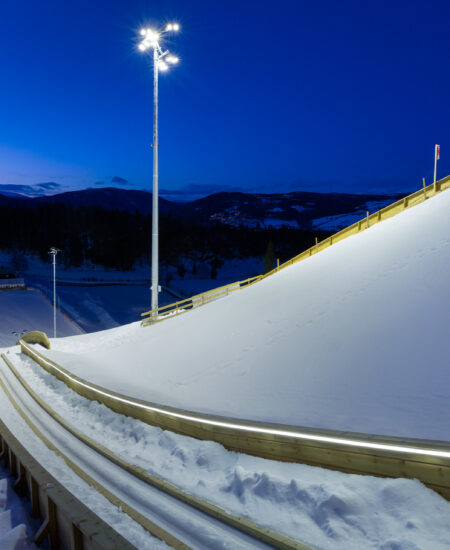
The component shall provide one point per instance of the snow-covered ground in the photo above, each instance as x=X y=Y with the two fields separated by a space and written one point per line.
x=354 y=338
x=15 y=529
x=97 y=298
x=326 y=509
x=25 y=310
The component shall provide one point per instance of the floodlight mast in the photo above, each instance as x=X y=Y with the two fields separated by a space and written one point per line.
x=151 y=40
x=53 y=252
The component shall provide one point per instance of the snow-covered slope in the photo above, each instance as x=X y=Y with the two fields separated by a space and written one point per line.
x=25 y=310
x=355 y=338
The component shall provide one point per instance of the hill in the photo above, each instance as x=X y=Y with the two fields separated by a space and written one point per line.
x=353 y=338
x=304 y=210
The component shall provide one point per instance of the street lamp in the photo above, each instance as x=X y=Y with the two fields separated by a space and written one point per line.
x=53 y=252
x=161 y=61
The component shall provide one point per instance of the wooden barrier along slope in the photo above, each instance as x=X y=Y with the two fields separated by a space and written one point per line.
x=165 y=312
x=66 y=522
x=241 y=524
x=428 y=461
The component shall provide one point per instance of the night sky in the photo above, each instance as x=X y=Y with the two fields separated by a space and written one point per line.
x=269 y=96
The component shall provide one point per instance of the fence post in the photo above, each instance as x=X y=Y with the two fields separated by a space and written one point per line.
x=367 y=217
x=424 y=188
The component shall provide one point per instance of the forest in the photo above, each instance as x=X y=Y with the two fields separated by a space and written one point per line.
x=117 y=239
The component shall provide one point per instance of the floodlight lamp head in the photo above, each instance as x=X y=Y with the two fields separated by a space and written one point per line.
x=172 y=59
x=172 y=27
x=162 y=66
x=150 y=40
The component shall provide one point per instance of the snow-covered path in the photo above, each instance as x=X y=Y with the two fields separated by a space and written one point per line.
x=354 y=338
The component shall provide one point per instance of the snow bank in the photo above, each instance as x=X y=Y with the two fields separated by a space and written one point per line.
x=25 y=310
x=354 y=338
x=326 y=509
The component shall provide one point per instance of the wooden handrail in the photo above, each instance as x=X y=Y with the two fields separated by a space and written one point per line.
x=424 y=193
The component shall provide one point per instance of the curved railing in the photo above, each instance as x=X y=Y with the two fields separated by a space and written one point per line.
x=66 y=522
x=368 y=454
x=240 y=524
x=165 y=312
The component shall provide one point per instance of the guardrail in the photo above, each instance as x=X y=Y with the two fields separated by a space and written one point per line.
x=176 y=308
x=426 y=460
x=165 y=312
x=240 y=523
x=66 y=521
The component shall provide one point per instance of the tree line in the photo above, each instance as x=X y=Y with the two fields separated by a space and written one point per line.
x=118 y=239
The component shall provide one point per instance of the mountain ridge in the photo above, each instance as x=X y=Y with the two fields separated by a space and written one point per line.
x=300 y=209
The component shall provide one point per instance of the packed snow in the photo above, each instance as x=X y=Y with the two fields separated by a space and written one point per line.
x=328 y=510
x=353 y=338
x=25 y=310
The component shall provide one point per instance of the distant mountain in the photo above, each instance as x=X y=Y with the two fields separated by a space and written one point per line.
x=305 y=210
x=300 y=209
x=110 y=198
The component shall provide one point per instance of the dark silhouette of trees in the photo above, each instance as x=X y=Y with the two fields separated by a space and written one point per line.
x=116 y=239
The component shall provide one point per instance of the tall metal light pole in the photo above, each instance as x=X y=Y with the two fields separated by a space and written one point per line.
x=161 y=61
x=53 y=252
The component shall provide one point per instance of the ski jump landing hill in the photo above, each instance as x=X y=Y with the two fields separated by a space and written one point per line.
x=351 y=343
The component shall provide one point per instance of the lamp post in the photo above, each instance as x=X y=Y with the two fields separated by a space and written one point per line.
x=161 y=61
x=53 y=252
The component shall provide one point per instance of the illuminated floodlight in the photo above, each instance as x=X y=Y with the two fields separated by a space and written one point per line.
x=172 y=27
x=161 y=61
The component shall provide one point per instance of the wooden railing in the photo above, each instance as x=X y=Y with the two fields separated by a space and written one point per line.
x=164 y=312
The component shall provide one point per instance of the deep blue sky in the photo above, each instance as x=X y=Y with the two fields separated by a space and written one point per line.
x=286 y=95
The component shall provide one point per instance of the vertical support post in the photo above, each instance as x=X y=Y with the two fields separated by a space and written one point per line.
x=12 y=463
x=76 y=542
x=367 y=218
x=424 y=188
x=316 y=240
x=278 y=263
x=21 y=481
x=155 y=243
x=34 y=498
x=52 y=525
